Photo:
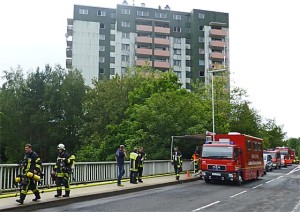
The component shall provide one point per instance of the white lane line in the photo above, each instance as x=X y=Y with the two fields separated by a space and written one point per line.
x=279 y=177
x=296 y=207
x=206 y=206
x=270 y=181
x=238 y=194
x=258 y=186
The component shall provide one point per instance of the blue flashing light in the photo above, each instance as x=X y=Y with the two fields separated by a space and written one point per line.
x=231 y=143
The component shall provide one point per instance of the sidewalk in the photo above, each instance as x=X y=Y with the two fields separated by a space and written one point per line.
x=88 y=192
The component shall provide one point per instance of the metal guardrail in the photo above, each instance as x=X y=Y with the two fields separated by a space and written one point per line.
x=85 y=172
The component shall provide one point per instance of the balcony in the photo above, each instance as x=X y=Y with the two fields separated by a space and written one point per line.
x=160 y=64
x=217 y=33
x=143 y=51
x=162 y=41
x=163 y=53
x=162 y=30
x=217 y=44
x=70 y=30
x=69 y=43
x=144 y=28
x=143 y=63
x=142 y=39
x=216 y=56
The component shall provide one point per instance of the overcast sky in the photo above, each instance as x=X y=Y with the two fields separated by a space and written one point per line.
x=264 y=45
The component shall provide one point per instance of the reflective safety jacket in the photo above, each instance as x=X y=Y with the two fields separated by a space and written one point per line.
x=31 y=163
x=177 y=158
x=64 y=164
x=134 y=161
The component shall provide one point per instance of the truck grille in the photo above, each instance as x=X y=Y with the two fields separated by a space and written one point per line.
x=216 y=168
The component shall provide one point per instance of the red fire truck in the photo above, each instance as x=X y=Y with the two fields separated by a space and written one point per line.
x=287 y=152
x=232 y=157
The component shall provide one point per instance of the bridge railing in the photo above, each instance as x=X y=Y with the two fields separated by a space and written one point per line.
x=85 y=172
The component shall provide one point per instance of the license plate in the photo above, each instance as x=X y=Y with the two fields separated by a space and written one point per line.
x=216 y=174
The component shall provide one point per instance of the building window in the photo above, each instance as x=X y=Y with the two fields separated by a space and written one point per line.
x=101 y=59
x=177 y=40
x=125 y=11
x=125 y=24
x=200 y=15
x=201 y=28
x=123 y=70
x=176 y=17
x=125 y=58
x=112 y=26
x=101 y=48
x=102 y=26
x=201 y=51
x=83 y=11
x=101 y=13
x=177 y=51
x=201 y=39
x=188 y=30
x=125 y=47
x=112 y=71
x=101 y=37
x=142 y=13
x=112 y=48
x=188 y=18
x=125 y=35
x=201 y=62
x=112 y=37
x=177 y=62
x=187 y=52
x=160 y=15
x=176 y=29
x=112 y=60
x=101 y=70
x=188 y=63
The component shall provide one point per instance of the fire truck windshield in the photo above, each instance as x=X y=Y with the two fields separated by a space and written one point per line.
x=217 y=152
x=284 y=152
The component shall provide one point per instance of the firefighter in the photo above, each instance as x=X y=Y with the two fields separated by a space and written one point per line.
x=142 y=157
x=177 y=162
x=31 y=173
x=134 y=162
x=196 y=160
x=62 y=170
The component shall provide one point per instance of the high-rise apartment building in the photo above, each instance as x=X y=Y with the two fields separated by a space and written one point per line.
x=104 y=41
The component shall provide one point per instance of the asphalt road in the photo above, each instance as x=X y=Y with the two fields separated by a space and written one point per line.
x=278 y=190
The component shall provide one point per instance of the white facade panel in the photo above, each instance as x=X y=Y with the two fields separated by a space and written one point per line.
x=86 y=49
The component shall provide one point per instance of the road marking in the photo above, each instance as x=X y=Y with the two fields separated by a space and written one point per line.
x=279 y=177
x=296 y=207
x=258 y=186
x=238 y=194
x=270 y=181
x=206 y=206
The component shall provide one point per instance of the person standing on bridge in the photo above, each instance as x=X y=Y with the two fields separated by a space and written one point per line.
x=177 y=162
x=31 y=167
x=142 y=157
x=120 y=158
x=62 y=170
x=134 y=163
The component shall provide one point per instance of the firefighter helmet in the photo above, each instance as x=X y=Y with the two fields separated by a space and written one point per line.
x=61 y=146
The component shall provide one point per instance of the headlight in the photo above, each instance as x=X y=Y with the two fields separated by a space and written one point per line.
x=230 y=175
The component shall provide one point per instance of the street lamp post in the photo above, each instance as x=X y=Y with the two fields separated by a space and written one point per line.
x=212 y=98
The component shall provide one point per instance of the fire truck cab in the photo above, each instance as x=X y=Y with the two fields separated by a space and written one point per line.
x=232 y=157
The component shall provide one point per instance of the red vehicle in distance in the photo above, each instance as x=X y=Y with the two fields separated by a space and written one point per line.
x=276 y=158
x=287 y=152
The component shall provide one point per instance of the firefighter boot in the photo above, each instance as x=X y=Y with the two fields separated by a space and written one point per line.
x=58 y=193
x=177 y=177
x=21 y=200
x=37 y=196
x=67 y=194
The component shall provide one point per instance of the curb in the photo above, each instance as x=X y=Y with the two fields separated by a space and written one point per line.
x=76 y=199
